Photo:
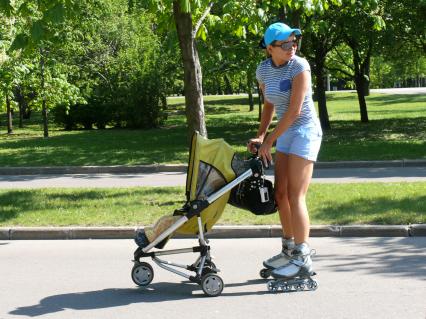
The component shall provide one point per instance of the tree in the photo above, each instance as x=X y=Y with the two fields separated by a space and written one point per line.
x=320 y=37
x=360 y=24
x=194 y=104
x=42 y=27
x=184 y=13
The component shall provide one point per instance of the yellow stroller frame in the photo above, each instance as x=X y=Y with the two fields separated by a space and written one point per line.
x=213 y=171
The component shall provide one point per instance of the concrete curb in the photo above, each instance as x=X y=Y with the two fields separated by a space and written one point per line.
x=251 y=231
x=157 y=168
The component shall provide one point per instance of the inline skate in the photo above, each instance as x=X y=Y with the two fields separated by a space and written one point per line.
x=297 y=274
x=279 y=260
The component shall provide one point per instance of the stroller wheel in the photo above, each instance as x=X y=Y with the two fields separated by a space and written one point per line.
x=212 y=285
x=142 y=274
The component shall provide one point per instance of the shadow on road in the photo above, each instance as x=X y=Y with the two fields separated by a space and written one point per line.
x=404 y=258
x=115 y=297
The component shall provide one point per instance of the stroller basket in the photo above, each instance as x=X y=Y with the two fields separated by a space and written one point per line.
x=214 y=174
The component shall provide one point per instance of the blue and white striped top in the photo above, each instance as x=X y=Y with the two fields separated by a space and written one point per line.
x=278 y=82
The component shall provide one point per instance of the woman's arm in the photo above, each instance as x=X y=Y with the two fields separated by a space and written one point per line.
x=266 y=117
x=265 y=121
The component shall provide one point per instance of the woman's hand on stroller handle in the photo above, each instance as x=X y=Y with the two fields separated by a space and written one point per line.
x=253 y=145
x=262 y=150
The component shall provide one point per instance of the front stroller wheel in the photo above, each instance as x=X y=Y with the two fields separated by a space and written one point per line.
x=212 y=285
x=142 y=274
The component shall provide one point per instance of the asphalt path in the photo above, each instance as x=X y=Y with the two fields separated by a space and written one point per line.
x=337 y=175
x=358 y=278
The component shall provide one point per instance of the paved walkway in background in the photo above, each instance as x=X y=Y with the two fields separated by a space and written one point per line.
x=359 y=278
x=421 y=90
x=337 y=175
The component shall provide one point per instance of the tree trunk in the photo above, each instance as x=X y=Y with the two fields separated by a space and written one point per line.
x=360 y=86
x=19 y=97
x=322 y=101
x=359 y=83
x=249 y=90
x=366 y=74
x=228 y=86
x=9 y=115
x=320 y=92
x=43 y=103
x=194 y=105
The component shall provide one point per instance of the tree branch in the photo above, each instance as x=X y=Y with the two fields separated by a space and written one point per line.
x=350 y=76
x=343 y=60
x=199 y=22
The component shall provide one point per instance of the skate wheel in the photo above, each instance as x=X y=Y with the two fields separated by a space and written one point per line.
x=313 y=285
x=142 y=274
x=265 y=273
x=212 y=285
x=285 y=287
x=272 y=287
x=299 y=287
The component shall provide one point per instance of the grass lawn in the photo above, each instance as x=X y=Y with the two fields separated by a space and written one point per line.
x=340 y=204
x=397 y=130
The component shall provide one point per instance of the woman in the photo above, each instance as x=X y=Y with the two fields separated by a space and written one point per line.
x=285 y=81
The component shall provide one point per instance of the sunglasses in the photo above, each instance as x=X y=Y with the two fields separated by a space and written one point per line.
x=287 y=45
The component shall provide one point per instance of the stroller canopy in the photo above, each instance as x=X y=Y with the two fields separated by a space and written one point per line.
x=212 y=164
x=209 y=167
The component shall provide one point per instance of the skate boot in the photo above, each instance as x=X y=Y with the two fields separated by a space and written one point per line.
x=279 y=260
x=296 y=275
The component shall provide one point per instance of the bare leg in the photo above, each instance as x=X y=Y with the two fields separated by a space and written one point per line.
x=299 y=177
x=281 y=193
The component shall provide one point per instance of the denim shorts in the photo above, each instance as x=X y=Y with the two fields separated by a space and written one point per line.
x=303 y=141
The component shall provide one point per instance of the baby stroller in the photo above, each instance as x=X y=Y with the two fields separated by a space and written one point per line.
x=215 y=177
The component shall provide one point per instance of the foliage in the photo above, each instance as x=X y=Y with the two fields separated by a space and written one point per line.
x=90 y=62
x=121 y=73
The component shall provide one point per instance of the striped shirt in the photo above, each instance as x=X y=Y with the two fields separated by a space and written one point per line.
x=278 y=82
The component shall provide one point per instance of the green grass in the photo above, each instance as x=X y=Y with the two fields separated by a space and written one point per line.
x=397 y=130
x=340 y=204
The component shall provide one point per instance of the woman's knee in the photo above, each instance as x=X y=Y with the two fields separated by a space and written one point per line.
x=296 y=198
x=281 y=195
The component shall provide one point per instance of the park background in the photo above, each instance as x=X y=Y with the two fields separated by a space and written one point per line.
x=127 y=82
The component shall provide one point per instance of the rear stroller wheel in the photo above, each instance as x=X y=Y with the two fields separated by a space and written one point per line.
x=142 y=274
x=212 y=285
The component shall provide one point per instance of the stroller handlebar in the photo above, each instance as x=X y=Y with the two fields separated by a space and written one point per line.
x=265 y=163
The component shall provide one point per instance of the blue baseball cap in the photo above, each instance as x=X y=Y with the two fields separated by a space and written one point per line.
x=279 y=31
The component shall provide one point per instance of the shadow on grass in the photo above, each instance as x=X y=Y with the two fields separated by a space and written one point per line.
x=413 y=128
x=349 y=96
x=396 y=99
x=237 y=100
x=18 y=202
x=377 y=140
x=378 y=211
x=98 y=147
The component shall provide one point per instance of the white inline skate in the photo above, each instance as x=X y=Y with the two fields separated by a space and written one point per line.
x=279 y=260
x=297 y=274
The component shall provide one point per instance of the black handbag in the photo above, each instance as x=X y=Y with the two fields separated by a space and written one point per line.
x=255 y=195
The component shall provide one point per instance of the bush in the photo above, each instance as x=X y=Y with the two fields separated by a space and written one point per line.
x=127 y=88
